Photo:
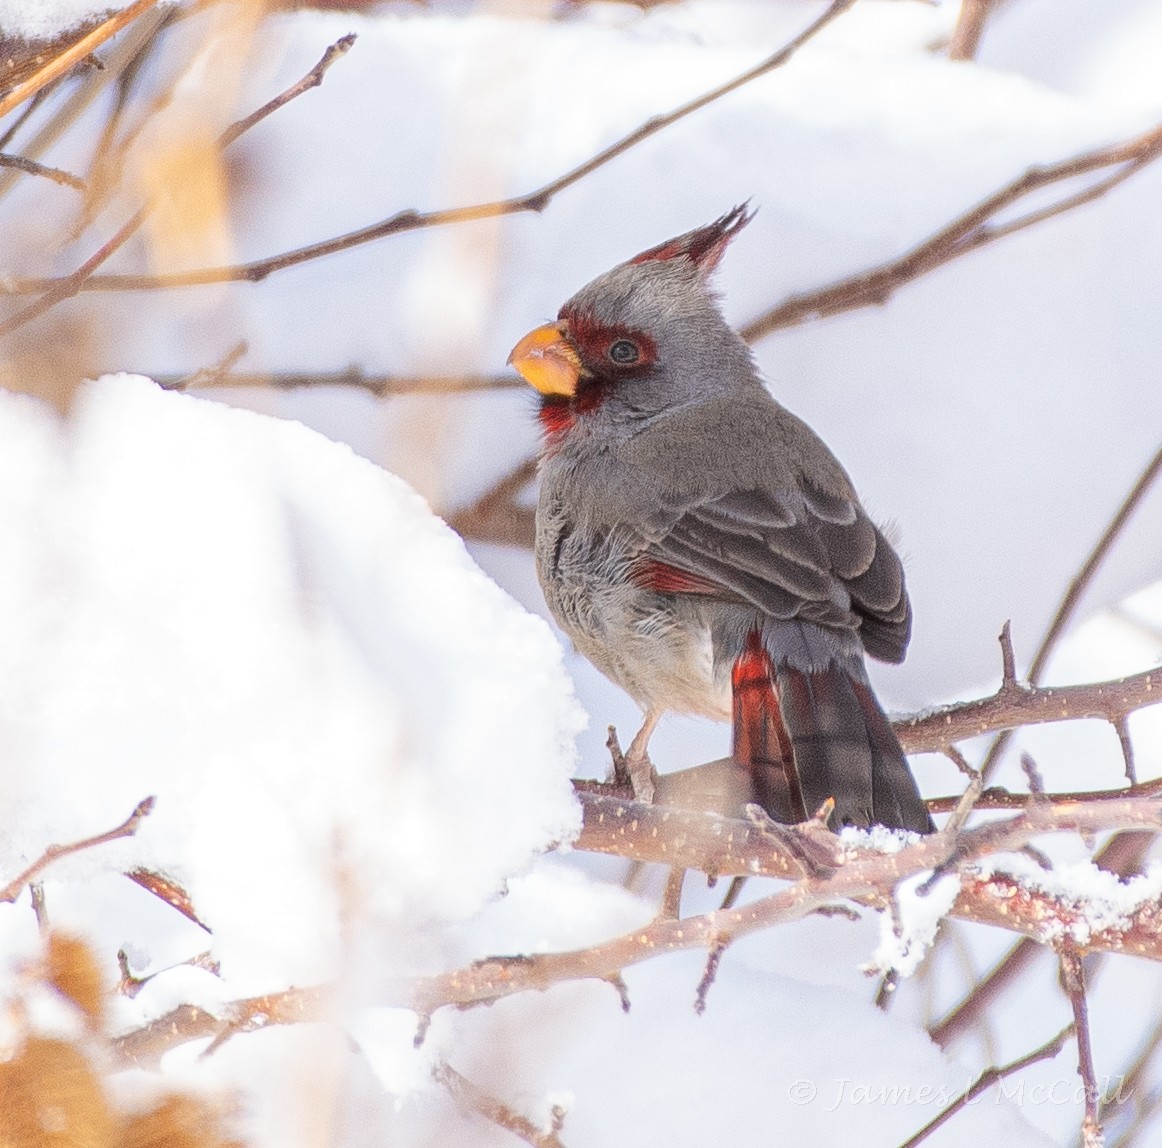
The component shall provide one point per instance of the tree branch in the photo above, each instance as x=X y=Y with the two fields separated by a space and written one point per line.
x=31 y=167
x=412 y=220
x=472 y=1098
x=73 y=54
x=726 y=847
x=52 y=853
x=1073 y=981
x=991 y=1076
x=68 y=286
x=1014 y=705
x=381 y=385
x=495 y=516
x=969 y=28
x=975 y=228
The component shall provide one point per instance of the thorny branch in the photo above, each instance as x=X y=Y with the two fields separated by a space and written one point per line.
x=1015 y=705
x=723 y=847
x=1071 y=599
x=1122 y=855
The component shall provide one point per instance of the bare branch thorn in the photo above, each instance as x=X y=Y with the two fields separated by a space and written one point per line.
x=1008 y=659
x=1122 y=729
x=1036 y=781
x=713 y=957
x=423 y=1023
x=620 y=987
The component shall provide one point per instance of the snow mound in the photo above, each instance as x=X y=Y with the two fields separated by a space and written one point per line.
x=345 y=722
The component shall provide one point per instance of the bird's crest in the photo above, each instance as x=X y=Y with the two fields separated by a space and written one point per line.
x=704 y=245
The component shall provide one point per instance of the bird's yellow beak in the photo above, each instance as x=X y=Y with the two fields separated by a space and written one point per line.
x=547 y=360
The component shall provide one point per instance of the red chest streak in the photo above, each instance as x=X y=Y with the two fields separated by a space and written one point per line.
x=557 y=420
x=558 y=417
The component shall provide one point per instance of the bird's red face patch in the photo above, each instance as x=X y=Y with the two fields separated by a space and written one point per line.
x=609 y=352
x=610 y=355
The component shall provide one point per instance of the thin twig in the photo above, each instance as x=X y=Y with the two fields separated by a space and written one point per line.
x=411 y=220
x=710 y=972
x=472 y=1098
x=31 y=167
x=992 y=1075
x=1074 y=593
x=932 y=731
x=380 y=385
x=969 y=28
x=207 y=376
x=69 y=285
x=966 y=233
x=311 y=80
x=19 y=122
x=52 y=853
x=1073 y=981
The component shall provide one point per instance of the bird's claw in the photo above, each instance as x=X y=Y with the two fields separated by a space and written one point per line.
x=643 y=778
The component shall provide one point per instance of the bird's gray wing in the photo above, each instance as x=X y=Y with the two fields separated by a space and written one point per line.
x=804 y=554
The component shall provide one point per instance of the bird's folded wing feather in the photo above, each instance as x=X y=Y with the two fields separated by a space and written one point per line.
x=808 y=555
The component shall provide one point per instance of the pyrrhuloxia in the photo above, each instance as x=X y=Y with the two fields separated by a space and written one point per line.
x=704 y=549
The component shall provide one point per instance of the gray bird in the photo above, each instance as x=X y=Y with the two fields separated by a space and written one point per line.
x=705 y=550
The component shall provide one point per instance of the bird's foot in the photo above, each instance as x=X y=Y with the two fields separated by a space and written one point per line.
x=643 y=778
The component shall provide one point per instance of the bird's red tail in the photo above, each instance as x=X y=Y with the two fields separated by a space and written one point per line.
x=806 y=737
x=762 y=744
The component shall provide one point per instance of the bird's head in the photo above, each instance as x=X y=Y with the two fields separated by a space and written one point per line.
x=644 y=337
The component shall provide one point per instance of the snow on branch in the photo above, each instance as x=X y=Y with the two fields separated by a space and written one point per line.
x=59 y=64
x=53 y=853
x=837 y=871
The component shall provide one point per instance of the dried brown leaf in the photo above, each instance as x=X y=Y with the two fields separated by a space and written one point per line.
x=51 y=1098
x=72 y=970
x=179 y=1121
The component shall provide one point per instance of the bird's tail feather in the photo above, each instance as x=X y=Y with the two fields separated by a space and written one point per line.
x=806 y=737
x=761 y=743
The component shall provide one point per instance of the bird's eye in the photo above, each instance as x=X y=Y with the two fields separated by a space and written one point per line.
x=624 y=352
